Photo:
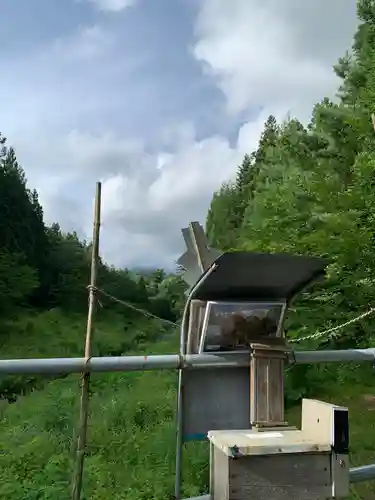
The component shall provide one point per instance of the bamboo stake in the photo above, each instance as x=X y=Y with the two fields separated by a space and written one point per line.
x=85 y=388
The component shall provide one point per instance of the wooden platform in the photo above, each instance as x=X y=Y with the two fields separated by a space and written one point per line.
x=273 y=442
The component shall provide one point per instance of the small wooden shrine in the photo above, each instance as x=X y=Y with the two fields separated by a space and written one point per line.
x=239 y=307
x=236 y=311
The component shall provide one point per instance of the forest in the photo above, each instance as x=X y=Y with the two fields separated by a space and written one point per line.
x=307 y=189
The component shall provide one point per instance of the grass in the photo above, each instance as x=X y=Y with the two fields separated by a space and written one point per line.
x=350 y=385
x=132 y=433
x=131 y=439
x=354 y=396
x=55 y=333
x=59 y=334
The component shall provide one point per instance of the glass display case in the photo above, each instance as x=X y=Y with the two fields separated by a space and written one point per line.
x=233 y=326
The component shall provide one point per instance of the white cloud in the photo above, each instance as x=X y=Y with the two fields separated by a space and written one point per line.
x=261 y=54
x=146 y=199
x=112 y=5
x=271 y=52
x=87 y=43
x=270 y=55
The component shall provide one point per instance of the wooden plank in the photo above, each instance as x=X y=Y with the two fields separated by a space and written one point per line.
x=267 y=385
x=279 y=477
x=220 y=481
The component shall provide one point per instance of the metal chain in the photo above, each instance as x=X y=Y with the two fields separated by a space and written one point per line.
x=331 y=331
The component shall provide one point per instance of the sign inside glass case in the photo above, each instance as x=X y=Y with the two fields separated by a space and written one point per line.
x=231 y=326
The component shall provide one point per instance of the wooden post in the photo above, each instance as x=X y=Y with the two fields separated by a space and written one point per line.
x=84 y=403
x=267 y=385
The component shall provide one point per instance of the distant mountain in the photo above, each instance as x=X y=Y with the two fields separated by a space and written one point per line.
x=144 y=271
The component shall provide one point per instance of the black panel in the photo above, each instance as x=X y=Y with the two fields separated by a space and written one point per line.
x=245 y=275
x=341 y=431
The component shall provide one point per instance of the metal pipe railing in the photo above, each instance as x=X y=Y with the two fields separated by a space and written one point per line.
x=114 y=364
x=334 y=356
x=189 y=361
x=362 y=473
x=168 y=361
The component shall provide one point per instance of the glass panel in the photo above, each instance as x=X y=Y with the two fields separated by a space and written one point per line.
x=232 y=326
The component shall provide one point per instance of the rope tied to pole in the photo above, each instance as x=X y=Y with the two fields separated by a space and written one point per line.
x=135 y=308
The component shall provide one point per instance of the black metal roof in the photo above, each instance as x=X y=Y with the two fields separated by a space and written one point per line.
x=261 y=276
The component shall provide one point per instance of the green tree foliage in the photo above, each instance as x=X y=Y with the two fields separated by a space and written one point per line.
x=222 y=220
x=17 y=281
x=22 y=235
x=45 y=267
x=309 y=190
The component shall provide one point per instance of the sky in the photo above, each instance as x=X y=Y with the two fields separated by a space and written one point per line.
x=157 y=99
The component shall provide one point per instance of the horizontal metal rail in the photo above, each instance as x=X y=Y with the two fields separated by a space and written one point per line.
x=168 y=361
x=334 y=356
x=362 y=473
x=189 y=361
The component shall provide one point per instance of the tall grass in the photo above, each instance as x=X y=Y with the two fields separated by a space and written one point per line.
x=131 y=442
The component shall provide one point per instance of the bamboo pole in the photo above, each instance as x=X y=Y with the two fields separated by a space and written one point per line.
x=85 y=388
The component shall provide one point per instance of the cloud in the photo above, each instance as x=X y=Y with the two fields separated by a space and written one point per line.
x=147 y=197
x=88 y=104
x=268 y=52
x=112 y=5
x=258 y=54
x=87 y=43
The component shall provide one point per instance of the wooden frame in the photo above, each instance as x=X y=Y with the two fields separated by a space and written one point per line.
x=196 y=318
x=267 y=385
